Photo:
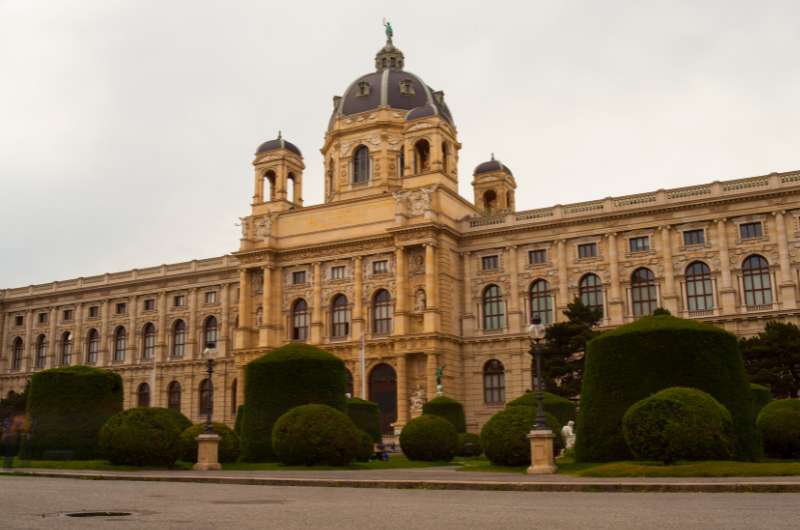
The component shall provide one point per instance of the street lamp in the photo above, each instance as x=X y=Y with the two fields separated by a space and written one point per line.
x=209 y=353
x=536 y=334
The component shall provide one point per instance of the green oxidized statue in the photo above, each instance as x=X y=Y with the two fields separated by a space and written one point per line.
x=389 y=32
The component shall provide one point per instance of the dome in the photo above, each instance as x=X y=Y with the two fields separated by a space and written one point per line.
x=490 y=166
x=278 y=143
x=421 y=112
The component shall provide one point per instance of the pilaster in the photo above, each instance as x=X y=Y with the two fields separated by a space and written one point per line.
x=514 y=313
x=400 y=311
x=359 y=324
x=563 y=282
x=616 y=306
x=786 y=285
x=402 y=392
x=669 y=298
x=316 y=305
x=431 y=295
x=727 y=293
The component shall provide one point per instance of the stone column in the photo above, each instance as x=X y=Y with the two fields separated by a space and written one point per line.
x=727 y=292
x=104 y=355
x=431 y=284
x=563 y=282
x=786 y=283
x=259 y=194
x=222 y=342
x=245 y=316
x=316 y=305
x=515 y=319
x=359 y=323
x=162 y=352
x=402 y=392
x=468 y=319
x=431 y=362
x=133 y=333
x=52 y=349
x=28 y=348
x=400 y=311
x=669 y=299
x=268 y=306
x=77 y=335
x=616 y=306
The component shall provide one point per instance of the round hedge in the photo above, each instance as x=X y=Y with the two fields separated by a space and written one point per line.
x=449 y=409
x=142 y=436
x=365 y=447
x=289 y=376
x=68 y=406
x=563 y=409
x=228 y=444
x=679 y=424
x=505 y=436
x=429 y=438
x=316 y=434
x=634 y=361
x=761 y=396
x=367 y=417
x=469 y=444
x=182 y=421
x=779 y=423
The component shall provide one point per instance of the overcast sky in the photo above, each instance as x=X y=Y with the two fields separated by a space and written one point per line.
x=127 y=128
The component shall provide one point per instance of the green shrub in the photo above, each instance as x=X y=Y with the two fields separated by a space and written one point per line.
x=637 y=360
x=316 y=434
x=228 y=443
x=429 y=438
x=366 y=415
x=563 y=409
x=505 y=436
x=180 y=420
x=761 y=396
x=679 y=424
x=779 y=423
x=142 y=436
x=237 y=425
x=366 y=447
x=68 y=406
x=469 y=444
x=449 y=409
x=289 y=376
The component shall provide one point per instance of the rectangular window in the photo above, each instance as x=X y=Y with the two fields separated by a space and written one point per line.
x=751 y=230
x=639 y=244
x=19 y=320
x=179 y=300
x=67 y=316
x=298 y=277
x=379 y=267
x=694 y=237
x=337 y=273
x=121 y=308
x=587 y=250
x=211 y=297
x=537 y=256
x=489 y=263
x=94 y=311
x=42 y=317
x=150 y=304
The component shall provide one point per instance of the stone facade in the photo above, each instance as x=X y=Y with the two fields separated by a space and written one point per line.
x=463 y=279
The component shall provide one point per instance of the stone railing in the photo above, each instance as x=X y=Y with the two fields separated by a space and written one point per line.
x=674 y=196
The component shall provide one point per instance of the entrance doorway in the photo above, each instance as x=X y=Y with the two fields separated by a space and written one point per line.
x=383 y=391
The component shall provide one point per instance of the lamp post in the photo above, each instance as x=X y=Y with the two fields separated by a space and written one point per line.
x=208 y=441
x=209 y=352
x=542 y=454
x=536 y=333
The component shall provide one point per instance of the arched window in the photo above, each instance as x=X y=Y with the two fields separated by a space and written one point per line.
x=300 y=320
x=541 y=301
x=290 y=187
x=41 y=351
x=66 y=348
x=401 y=163
x=269 y=183
x=361 y=165
x=174 y=396
x=382 y=313
x=205 y=397
x=149 y=333
x=210 y=332
x=92 y=346
x=445 y=155
x=493 y=308
x=422 y=155
x=120 y=344
x=340 y=317
x=494 y=383
x=698 y=287
x=644 y=294
x=16 y=358
x=591 y=291
x=489 y=201
x=234 y=390
x=178 y=338
x=143 y=395
x=756 y=281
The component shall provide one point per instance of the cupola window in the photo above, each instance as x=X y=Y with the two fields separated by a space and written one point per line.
x=422 y=153
x=406 y=88
x=361 y=165
x=363 y=89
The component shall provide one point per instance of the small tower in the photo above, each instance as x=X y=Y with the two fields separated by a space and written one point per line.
x=494 y=187
x=278 y=175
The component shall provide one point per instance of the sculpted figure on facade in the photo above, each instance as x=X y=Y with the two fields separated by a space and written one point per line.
x=417 y=401
x=263 y=227
x=419 y=301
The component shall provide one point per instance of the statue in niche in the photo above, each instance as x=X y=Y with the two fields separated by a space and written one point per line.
x=417 y=400
x=439 y=376
x=259 y=316
x=420 y=302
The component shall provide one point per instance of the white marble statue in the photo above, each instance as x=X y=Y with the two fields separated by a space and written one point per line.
x=568 y=434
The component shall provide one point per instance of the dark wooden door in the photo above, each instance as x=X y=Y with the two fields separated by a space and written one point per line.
x=383 y=391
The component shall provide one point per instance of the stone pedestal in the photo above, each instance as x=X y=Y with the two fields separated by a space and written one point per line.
x=542 y=457
x=207 y=453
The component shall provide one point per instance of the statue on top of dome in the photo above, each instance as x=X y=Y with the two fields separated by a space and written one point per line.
x=389 y=31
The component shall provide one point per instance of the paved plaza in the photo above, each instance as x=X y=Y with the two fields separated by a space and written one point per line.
x=35 y=502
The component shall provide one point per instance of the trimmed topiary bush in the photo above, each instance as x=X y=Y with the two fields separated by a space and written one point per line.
x=366 y=415
x=679 y=424
x=316 y=434
x=430 y=438
x=449 y=409
x=180 y=420
x=289 y=376
x=469 y=444
x=68 y=406
x=365 y=447
x=779 y=423
x=143 y=436
x=228 y=443
x=634 y=361
x=761 y=397
x=563 y=409
x=505 y=436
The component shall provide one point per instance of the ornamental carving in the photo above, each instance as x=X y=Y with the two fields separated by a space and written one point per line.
x=263 y=227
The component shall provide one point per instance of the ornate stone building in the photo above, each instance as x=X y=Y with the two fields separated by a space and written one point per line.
x=397 y=261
